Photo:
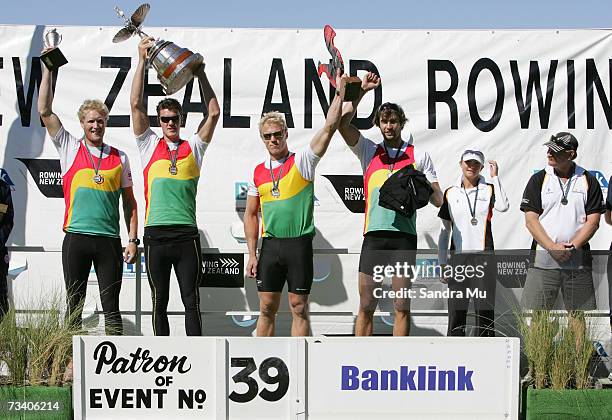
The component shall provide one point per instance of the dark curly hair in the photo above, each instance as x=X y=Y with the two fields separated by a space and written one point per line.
x=386 y=110
x=171 y=104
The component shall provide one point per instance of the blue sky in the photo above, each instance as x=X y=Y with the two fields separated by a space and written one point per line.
x=386 y=14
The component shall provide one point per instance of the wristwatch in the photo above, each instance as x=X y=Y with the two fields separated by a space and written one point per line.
x=134 y=241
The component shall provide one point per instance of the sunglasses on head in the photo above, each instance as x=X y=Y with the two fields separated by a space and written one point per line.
x=276 y=134
x=175 y=119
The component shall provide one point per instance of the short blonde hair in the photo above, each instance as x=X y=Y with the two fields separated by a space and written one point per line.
x=273 y=117
x=92 y=105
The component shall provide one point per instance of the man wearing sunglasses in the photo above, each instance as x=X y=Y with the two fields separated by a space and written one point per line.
x=387 y=234
x=562 y=205
x=283 y=189
x=171 y=168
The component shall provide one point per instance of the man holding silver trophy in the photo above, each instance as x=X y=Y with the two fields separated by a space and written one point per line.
x=171 y=169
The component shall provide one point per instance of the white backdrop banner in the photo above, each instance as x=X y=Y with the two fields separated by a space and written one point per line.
x=504 y=92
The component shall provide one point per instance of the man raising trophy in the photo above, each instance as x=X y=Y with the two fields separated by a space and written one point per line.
x=171 y=169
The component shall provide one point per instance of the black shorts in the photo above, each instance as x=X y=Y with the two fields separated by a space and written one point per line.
x=285 y=258
x=384 y=247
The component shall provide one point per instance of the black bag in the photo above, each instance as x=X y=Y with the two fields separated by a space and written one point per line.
x=405 y=191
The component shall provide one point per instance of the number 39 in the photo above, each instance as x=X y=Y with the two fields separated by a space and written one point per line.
x=244 y=376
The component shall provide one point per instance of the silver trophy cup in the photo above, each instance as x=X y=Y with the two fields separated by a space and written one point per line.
x=175 y=66
x=53 y=58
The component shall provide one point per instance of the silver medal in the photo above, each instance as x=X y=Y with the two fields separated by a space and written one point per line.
x=98 y=179
x=474 y=222
x=275 y=192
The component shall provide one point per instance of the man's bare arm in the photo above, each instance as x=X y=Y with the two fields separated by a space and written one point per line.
x=349 y=132
x=208 y=124
x=140 y=119
x=45 y=102
x=251 y=233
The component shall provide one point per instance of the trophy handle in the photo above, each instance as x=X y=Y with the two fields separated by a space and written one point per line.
x=133 y=24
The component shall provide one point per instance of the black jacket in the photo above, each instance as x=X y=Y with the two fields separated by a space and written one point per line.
x=6 y=213
x=405 y=191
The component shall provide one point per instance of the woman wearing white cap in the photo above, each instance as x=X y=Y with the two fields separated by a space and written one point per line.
x=466 y=218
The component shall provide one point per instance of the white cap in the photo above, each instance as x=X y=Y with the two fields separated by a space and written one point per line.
x=473 y=155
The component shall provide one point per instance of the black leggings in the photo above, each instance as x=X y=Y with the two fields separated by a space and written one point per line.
x=78 y=253
x=4 y=304
x=185 y=257
x=484 y=304
x=609 y=273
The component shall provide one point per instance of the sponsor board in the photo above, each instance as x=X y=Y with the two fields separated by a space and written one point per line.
x=295 y=377
x=147 y=377
x=222 y=270
x=350 y=190
x=129 y=271
x=512 y=268
x=264 y=378
x=241 y=190
x=414 y=378
x=603 y=181
x=47 y=176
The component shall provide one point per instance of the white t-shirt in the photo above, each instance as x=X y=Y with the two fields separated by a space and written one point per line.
x=543 y=195
x=305 y=161
x=456 y=215
x=147 y=142
x=365 y=149
x=68 y=146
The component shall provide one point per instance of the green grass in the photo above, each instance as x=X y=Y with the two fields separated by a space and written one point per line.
x=37 y=345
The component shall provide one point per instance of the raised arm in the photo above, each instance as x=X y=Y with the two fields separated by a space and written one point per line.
x=140 y=119
x=321 y=140
x=501 y=199
x=45 y=102
x=251 y=233
x=349 y=132
x=208 y=124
